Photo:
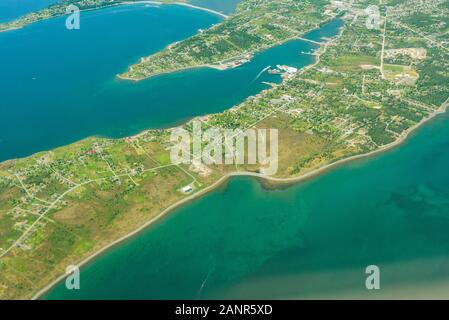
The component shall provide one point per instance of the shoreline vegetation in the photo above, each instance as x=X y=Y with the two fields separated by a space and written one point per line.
x=273 y=182
x=225 y=43
x=233 y=63
x=346 y=110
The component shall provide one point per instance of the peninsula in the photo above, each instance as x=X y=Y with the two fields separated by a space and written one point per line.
x=256 y=26
x=368 y=89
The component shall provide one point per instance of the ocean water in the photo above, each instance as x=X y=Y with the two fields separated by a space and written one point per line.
x=12 y=9
x=59 y=86
x=314 y=239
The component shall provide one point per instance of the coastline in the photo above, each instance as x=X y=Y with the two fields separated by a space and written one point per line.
x=230 y=65
x=216 y=67
x=186 y=4
x=183 y=4
x=275 y=182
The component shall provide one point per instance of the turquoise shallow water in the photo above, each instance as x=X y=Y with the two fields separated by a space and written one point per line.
x=312 y=239
x=59 y=86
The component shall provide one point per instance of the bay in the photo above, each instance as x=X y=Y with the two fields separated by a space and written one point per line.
x=59 y=86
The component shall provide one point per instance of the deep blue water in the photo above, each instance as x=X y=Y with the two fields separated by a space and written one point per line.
x=12 y=9
x=59 y=86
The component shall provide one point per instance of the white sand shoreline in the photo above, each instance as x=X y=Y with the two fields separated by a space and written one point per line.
x=279 y=181
x=184 y=4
